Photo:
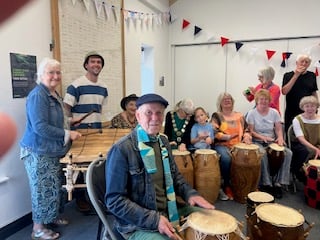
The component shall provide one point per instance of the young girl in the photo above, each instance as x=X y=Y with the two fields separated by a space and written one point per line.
x=202 y=133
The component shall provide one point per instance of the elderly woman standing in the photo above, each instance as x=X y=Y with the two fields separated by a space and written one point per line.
x=44 y=142
x=127 y=118
x=178 y=124
x=306 y=127
x=230 y=130
x=266 y=76
x=266 y=128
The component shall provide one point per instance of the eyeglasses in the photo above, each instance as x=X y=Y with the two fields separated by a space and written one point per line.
x=54 y=72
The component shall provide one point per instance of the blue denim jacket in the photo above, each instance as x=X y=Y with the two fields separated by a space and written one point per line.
x=44 y=132
x=130 y=194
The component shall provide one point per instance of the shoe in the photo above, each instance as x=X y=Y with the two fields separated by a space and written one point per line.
x=222 y=195
x=44 y=234
x=277 y=192
x=229 y=193
x=83 y=205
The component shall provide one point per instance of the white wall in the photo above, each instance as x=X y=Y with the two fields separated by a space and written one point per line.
x=26 y=32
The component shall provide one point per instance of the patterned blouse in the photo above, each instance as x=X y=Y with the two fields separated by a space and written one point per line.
x=119 y=122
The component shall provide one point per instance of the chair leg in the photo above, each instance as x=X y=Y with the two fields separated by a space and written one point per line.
x=99 y=229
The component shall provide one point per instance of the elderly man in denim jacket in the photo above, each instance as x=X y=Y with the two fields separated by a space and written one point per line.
x=142 y=178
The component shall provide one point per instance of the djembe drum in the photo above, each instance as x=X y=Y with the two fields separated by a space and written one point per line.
x=312 y=187
x=253 y=200
x=245 y=170
x=207 y=173
x=184 y=163
x=211 y=225
x=276 y=221
x=275 y=155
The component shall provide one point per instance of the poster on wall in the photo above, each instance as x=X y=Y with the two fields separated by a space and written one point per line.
x=23 y=74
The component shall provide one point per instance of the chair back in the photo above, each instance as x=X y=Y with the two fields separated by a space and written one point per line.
x=96 y=187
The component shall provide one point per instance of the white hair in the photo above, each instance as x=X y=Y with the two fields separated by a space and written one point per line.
x=42 y=67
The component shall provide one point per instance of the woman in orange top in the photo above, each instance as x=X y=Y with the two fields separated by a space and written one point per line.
x=230 y=130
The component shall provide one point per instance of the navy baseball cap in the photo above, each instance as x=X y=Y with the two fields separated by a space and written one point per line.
x=151 y=98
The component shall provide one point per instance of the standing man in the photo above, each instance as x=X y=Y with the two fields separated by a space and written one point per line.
x=296 y=85
x=142 y=178
x=87 y=95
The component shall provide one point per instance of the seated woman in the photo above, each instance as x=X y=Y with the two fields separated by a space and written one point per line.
x=306 y=127
x=178 y=125
x=230 y=130
x=265 y=77
x=127 y=118
x=265 y=126
x=202 y=134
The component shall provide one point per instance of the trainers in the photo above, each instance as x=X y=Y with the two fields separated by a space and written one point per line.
x=229 y=193
x=222 y=195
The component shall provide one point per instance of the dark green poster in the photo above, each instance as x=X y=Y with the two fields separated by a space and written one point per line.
x=23 y=74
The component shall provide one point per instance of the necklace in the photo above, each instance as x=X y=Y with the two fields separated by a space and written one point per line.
x=181 y=131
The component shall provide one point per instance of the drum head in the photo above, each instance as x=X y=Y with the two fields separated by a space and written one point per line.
x=314 y=162
x=260 y=197
x=176 y=152
x=212 y=222
x=276 y=147
x=246 y=146
x=279 y=215
x=205 y=151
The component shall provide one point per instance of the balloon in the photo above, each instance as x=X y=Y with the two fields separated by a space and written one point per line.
x=8 y=133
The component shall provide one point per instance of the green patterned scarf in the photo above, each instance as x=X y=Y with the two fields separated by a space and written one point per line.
x=148 y=158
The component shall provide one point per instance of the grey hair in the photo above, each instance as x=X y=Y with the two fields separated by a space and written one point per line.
x=267 y=73
x=308 y=99
x=220 y=99
x=303 y=56
x=186 y=105
x=43 y=65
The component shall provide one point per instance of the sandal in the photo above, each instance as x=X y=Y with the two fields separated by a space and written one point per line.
x=60 y=222
x=44 y=234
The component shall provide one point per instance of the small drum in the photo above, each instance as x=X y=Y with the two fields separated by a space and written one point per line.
x=275 y=155
x=245 y=170
x=211 y=225
x=253 y=200
x=312 y=187
x=184 y=163
x=207 y=173
x=276 y=221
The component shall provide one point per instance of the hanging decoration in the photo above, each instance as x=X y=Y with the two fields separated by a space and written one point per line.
x=196 y=30
x=285 y=56
x=224 y=41
x=270 y=53
x=185 y=24
x=238 y=45
x=86 y=4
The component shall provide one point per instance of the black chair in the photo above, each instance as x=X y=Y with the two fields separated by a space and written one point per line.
x=96 y=187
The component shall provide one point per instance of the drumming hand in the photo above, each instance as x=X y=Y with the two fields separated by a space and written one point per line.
x=75 y=135
x=200 y=201
x=166 y=228
x=182 y=147
x=173 y=143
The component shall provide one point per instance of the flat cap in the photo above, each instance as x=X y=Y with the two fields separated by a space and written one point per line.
x=151 y=98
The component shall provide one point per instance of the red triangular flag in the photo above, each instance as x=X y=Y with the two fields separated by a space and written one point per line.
x=316 y=72
x=224 y=41
x=185 y=24
x=270 y=53
x=286 y=55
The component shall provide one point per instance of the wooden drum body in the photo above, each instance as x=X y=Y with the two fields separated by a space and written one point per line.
x=254 y=199
x=207 y=174
x=211 y=225
x=245 y=170
x=275 y=155
x=184 y=163
x=275 y=221
x=312 y=187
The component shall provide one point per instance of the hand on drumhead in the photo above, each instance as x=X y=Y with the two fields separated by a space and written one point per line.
x=182 y=147
x=200 y=201
x=166 y=228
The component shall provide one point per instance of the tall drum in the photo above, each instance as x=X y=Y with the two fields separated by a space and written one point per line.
x=312 y=187
x=245 y=170
x=184 y=163
x=207 y=177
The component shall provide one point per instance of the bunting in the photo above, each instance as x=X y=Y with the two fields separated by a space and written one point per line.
x=238 y=45
x=224 y=41
x=270 y=53
x=185 y=24
x=285 y=56
x=196 y=30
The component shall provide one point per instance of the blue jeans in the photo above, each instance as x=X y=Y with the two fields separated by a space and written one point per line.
x=225 y=163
